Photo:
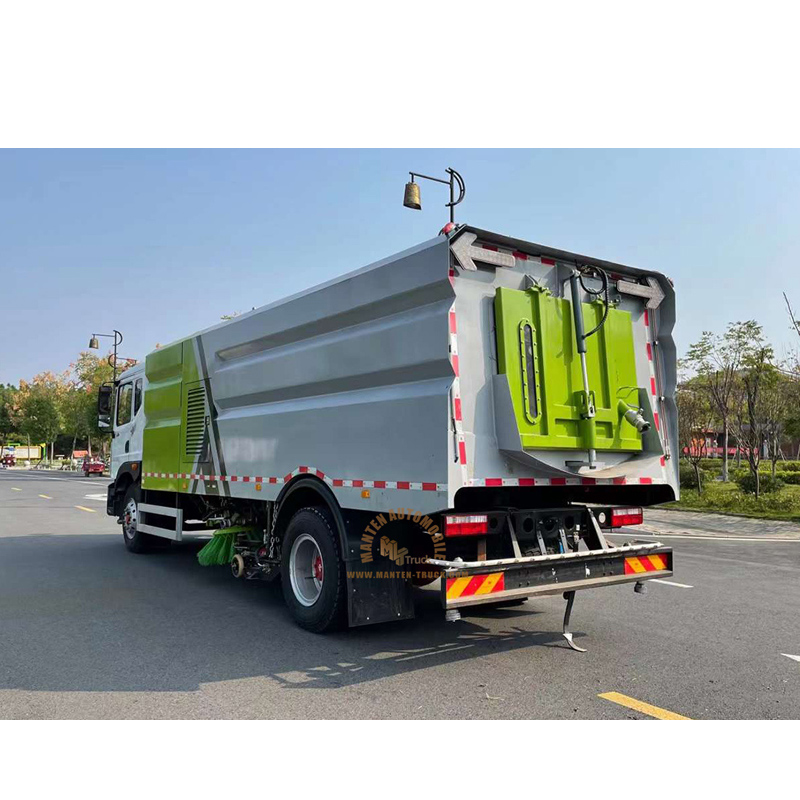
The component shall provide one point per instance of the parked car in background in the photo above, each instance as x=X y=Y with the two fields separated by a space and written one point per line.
x=93 y=466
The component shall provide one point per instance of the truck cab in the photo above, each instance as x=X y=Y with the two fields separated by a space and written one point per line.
x=126 y=419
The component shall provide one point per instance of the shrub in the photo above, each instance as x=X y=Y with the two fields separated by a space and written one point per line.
x=688 y=477
x=767 y=484
x=790 y=477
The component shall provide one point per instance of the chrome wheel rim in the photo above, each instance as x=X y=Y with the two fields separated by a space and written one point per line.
x=129 y=517
x=306 y=570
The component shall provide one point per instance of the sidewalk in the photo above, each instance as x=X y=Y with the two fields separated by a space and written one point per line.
x=698 y=523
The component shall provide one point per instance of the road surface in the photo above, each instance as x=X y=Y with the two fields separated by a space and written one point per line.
x=88 y=630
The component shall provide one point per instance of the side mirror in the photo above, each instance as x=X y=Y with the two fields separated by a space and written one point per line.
x=104 y=396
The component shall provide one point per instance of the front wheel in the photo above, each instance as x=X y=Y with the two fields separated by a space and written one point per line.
x=135 y=540
x=312 y=571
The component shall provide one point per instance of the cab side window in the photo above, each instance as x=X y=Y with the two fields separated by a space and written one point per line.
x=124 y=403
x=137 y=396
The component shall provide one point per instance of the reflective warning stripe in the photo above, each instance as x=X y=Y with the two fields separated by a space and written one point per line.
x=652 y=563
x=475 y=585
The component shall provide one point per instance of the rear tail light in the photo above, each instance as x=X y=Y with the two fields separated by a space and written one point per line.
x=466 y=524
x=626 y=516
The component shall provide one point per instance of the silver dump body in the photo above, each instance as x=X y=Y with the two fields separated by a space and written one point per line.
x=385 y=384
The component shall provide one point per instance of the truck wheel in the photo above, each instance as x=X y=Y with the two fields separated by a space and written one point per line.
x=135 y=540
x=312 y=571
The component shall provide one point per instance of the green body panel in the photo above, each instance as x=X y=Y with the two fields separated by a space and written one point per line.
x=548 y=413
x=170 y=371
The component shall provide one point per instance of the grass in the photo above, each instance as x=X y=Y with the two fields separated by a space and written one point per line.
x=727 y=498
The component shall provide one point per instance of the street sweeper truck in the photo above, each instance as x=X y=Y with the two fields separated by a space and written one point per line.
x=477 y=412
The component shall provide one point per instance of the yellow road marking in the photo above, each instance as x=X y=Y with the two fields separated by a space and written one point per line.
x=46 y=496
x=90 y=510
x=642 y=708
x=14 y=489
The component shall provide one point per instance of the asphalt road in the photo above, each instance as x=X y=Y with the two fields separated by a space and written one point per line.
x=88 y=630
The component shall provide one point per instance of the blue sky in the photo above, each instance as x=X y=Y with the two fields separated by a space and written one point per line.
x=160 y=243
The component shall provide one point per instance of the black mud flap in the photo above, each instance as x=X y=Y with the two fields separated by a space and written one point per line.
x=378 y=590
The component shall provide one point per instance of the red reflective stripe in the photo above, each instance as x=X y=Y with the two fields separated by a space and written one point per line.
x=653 y=385
x=494 y=481
x=649 y=352
x=548 y=261
x=646 y=318
x=454 y=361
x=320 y=474
x=457 y=408
x=337 y=482
x=589 y=481
x=428 y=487
x=527 y=482
x=358 y=484
x=452 y=322
x=474 y=585
x=403 y=485
x=380 y=484
x=520 y=256
x=655 y=417
x=645 y=480
x=287 y=478
x=663 y=461
x=619 y=481
x=558 y=481
x=462 y=452
x=302 y=469
x=490 y=247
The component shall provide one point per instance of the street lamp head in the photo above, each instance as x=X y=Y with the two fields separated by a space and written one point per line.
x=94 y=344
x=412 y=198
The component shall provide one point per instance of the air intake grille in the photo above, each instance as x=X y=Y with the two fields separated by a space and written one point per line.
x=196 y=422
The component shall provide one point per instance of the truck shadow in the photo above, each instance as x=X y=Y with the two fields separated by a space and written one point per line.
x=79 y=613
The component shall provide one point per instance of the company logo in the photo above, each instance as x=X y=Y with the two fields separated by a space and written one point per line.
x=405 y=537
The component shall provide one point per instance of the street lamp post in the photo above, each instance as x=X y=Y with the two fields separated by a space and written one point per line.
x=95 y=345
x=412 y=198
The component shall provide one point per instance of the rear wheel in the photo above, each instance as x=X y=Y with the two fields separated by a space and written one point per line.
x=312 y=571
x=135 y=540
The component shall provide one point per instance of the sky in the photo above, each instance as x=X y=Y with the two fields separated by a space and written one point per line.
x=160 y=243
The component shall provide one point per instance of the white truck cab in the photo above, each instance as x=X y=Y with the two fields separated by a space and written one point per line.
x=128 y=421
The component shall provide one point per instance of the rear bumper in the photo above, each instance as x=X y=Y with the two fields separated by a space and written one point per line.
x=478 y=582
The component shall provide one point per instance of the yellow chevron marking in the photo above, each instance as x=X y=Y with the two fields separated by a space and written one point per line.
x=642 y=708
x=636 y=565
x=458 y=586
x=489 y=583
x=658 y=561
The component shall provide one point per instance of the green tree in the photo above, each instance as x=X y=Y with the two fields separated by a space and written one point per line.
x=694 y=420
x=7 y=427
x=38 y=410
x=750 y=418
x=717 y=361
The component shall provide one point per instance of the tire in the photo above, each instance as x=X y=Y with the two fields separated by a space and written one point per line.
x=135 y=540
x=312 y=571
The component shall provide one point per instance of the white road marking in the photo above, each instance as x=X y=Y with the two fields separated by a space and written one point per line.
x=795 y=658
x=46 y=496
x=672 y=583
x=100 y=497
x=14 y=489
x=35 y=477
